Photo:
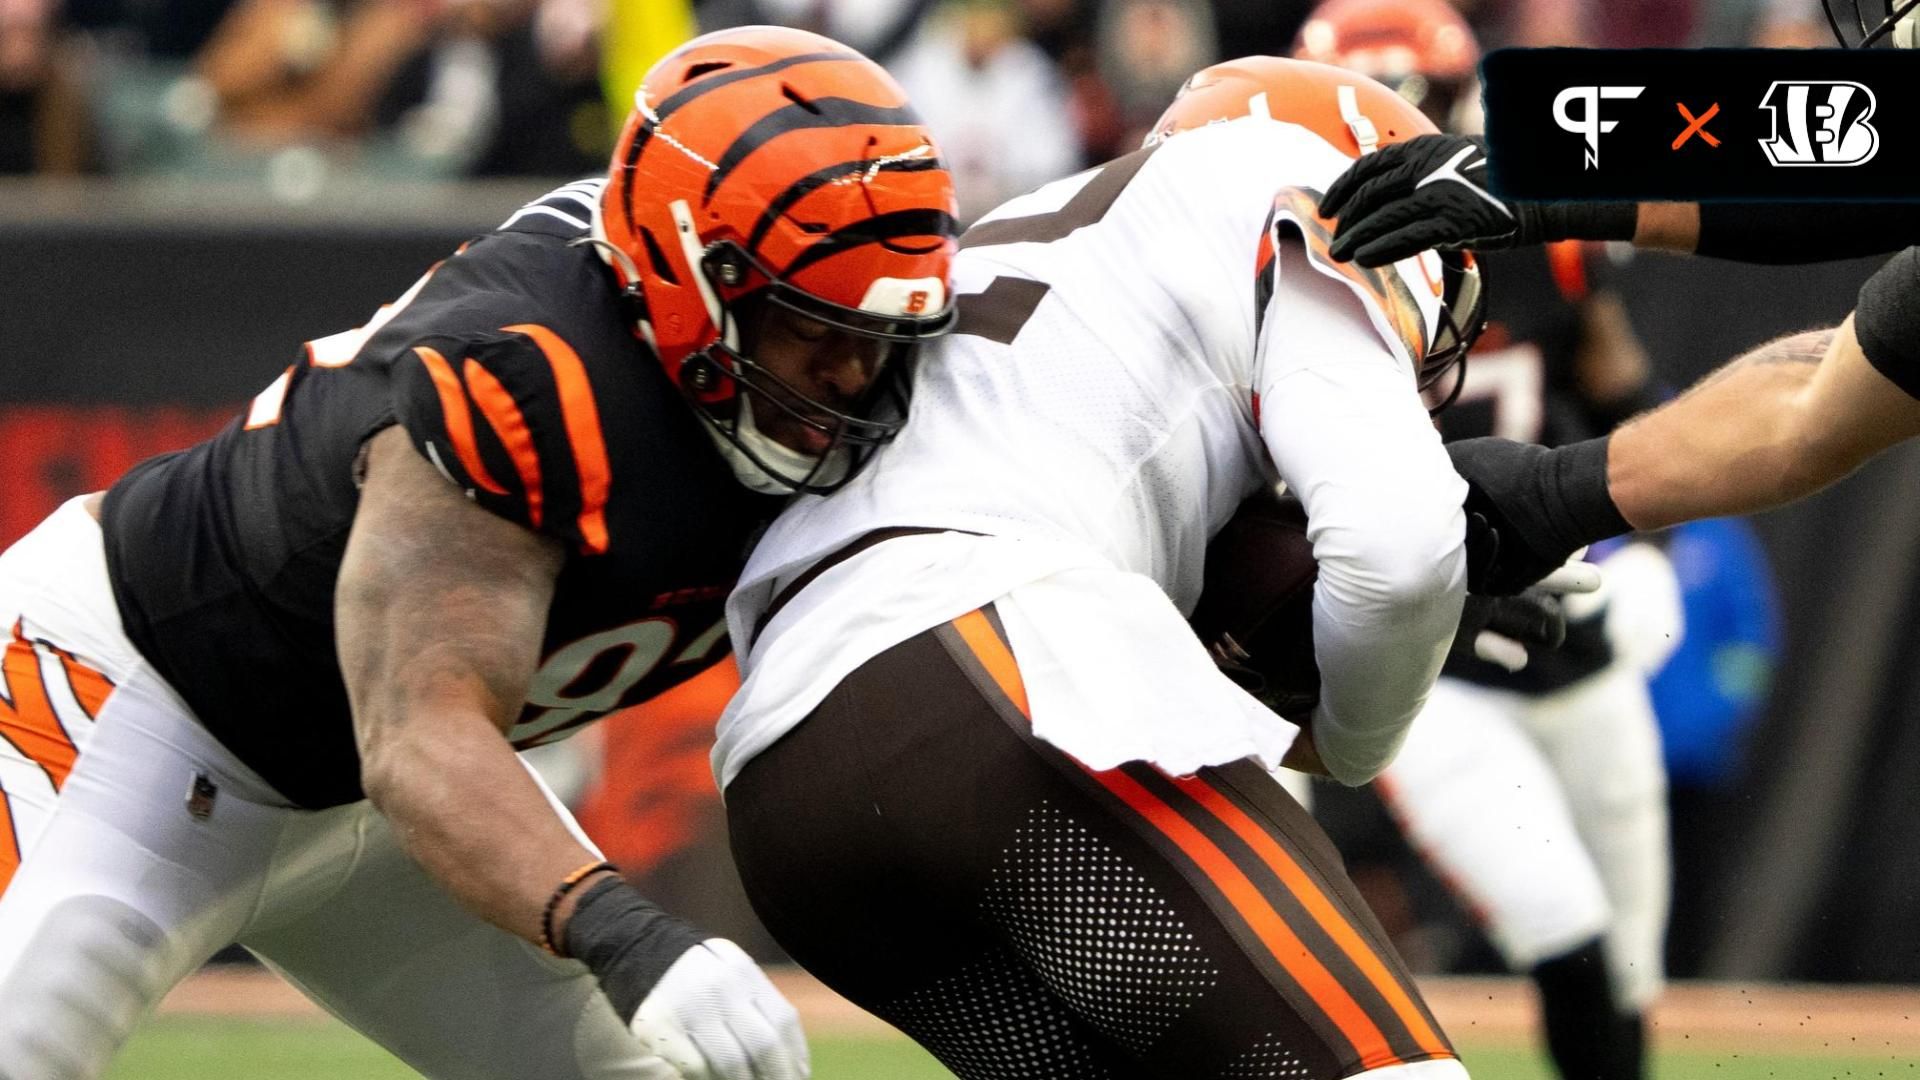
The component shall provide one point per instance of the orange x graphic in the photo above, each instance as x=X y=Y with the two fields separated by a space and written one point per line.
x=1697 y=125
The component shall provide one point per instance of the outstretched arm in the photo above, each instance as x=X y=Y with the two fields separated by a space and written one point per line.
x=1775 y=425
x=441 y=607
x=440 y=613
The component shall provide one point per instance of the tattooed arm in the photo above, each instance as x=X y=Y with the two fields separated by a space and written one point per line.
x=440 y=610
x=1776 y=424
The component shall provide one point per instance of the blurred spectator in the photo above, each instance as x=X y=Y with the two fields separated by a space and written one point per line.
x=42 y=125
x=993 y=99
x=1791 y=24
x=293 y=90
x=1531 y=23
x=879 y=28
x=1147 y=48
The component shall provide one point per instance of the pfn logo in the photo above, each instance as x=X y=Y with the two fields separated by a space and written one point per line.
x=1588 y=124
x=1820 y=123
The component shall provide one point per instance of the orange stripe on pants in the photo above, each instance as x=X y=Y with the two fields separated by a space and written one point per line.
x=1323 y=911
x=29 y=723
x=1254 y=909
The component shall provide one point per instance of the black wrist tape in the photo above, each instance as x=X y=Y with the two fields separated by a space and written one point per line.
x=1580 y=508
x=1546 y=222
x=627 y=942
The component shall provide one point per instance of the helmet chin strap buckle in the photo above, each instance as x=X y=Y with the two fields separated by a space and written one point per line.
x=1362 y=128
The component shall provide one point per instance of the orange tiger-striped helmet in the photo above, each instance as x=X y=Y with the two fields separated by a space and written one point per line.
x=1423 y=49
x=769 y=167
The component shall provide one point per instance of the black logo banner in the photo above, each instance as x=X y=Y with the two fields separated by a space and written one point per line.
x=1701 y=124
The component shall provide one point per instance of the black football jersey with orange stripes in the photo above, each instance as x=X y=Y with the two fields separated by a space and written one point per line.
x=1522 y=384
x=515 y=370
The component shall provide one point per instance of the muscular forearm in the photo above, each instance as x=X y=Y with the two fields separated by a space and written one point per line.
x=1744 y=439
x=469 y=812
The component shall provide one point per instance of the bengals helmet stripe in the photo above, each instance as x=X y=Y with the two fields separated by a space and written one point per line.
x=708 y=85
x=806 y=185
x=822 y=113
x=883 y=229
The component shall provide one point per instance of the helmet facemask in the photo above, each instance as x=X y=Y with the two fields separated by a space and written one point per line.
x=1462 y=315
x=739 y=394
x=1860 y=24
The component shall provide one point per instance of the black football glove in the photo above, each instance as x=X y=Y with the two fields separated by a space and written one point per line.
x=1541 y=506
x=1507 y=630
x=1431 y=192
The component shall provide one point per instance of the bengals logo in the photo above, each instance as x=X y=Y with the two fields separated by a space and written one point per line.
x=916 y=301
x=1820 y=123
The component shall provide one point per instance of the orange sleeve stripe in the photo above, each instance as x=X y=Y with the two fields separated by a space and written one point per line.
x=994 y=655
x=1317 y=903
x=30 y=723
x=503 y=414
x=453 y=409
x=1260 y=917
x=582 y=418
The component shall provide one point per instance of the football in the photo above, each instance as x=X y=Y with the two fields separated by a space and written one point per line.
x=1255 y=612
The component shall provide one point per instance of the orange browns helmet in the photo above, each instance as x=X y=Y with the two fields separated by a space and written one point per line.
x=1423 y=49
x=765 y=164
x=1356 y=115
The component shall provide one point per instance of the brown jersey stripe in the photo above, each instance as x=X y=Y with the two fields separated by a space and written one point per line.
x=582 y=419
x=819 y=178
x=1324 y=911
x=28 y=720
x=825 y=112
x=503 y=415
x=459 y=418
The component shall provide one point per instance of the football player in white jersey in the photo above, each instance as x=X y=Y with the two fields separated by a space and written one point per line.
x=981 y=777
x=1539 y=796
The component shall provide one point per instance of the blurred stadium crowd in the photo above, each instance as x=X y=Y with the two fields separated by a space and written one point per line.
x=291 y=90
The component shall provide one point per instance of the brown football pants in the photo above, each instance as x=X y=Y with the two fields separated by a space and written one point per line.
x=1024 y=917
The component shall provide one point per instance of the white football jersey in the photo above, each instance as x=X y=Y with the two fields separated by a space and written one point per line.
x=1140 y=347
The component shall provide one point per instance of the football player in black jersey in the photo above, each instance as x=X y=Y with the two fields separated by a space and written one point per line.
x=1772 y=426
x=273 y=695
x=1537 y=795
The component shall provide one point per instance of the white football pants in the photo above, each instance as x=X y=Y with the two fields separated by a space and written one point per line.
x=1547 y=816
x=139 y=847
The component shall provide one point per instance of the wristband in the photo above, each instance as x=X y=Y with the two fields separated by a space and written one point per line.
x=1546 y=222
x=567 y=885
x=627 y=942
x=1580 y=509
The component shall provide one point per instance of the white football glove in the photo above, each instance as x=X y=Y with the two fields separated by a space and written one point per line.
x=714 y=1016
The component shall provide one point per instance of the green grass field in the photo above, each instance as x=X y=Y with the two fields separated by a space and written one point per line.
x=198 y=1048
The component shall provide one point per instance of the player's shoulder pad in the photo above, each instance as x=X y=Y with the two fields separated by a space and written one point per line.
x=1401 y=300
x=512 y=419
x=568 y=211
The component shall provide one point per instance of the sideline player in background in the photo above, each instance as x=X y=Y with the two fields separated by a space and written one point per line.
x=981 y=776
x=269 y=691
x=1538 y=796
x=1772 y=426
